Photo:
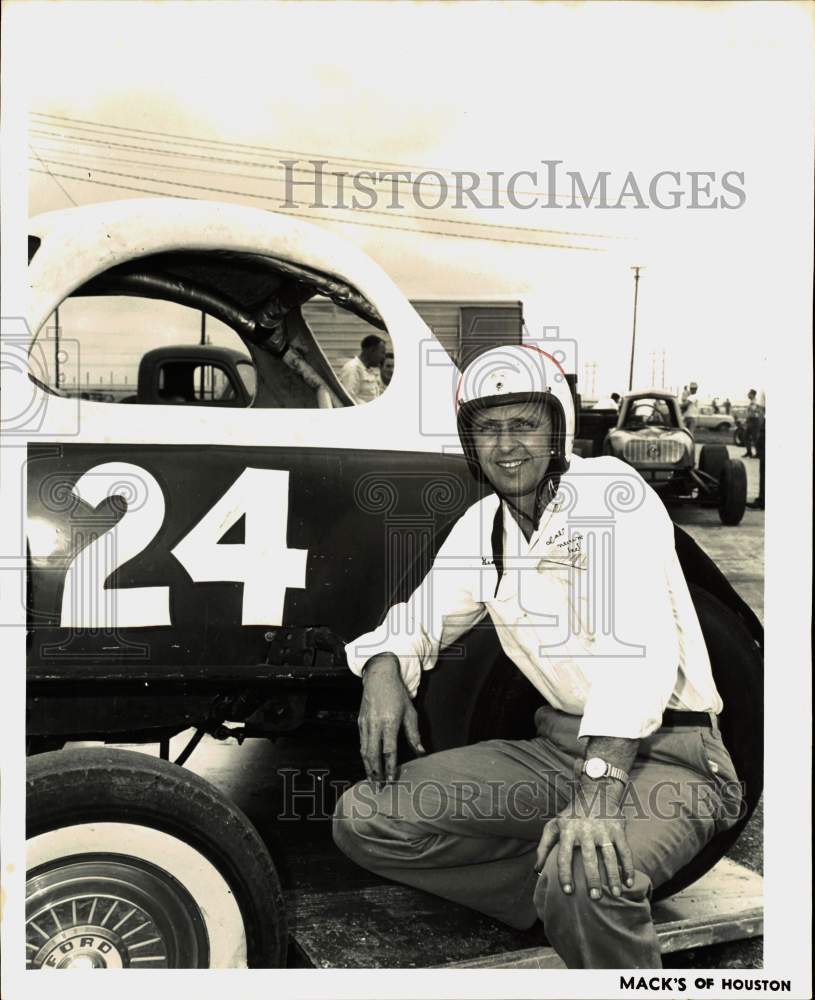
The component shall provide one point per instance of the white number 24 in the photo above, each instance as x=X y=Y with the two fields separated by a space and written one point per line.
x=262 y=562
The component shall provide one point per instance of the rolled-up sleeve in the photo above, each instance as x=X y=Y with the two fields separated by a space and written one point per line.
x=441 y=609
x=633 y=678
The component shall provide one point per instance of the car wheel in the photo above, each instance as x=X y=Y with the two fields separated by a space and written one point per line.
x=723 y=427
x=135 y=862
x=712 y=459
x=732 y=492
x=738 y=437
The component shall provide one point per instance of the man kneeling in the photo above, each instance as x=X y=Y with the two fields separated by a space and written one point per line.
x=627 y=765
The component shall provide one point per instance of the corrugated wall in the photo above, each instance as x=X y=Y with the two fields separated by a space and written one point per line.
x=339 y=332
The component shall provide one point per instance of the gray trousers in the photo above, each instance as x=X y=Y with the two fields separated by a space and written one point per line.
x=465 y=824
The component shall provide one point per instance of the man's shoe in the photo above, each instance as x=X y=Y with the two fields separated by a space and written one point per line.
x=756 y=505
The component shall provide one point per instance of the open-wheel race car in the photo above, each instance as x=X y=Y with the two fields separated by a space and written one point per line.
x=195 y=563
x=651 y=436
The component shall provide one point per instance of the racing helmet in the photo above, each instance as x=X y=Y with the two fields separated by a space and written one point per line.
x=516 y=373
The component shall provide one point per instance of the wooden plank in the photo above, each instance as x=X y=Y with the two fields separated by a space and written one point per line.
x=674 y=936
x=392 y=926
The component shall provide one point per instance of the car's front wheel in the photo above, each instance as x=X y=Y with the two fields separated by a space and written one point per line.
x=732 y=492
x=135 y=862
x=712 y=459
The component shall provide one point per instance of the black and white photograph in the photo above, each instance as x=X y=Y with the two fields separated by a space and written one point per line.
x=396 y=601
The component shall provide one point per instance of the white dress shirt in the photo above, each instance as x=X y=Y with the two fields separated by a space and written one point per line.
x=363 y=383
x=594 y=609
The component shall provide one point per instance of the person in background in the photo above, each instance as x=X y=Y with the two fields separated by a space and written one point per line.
x=752 y=425
x=758 y=503
x=386 y=369
x=611 y=402
x=690 y=406
x=727 y=406
x=360 y=375
x=715 y=404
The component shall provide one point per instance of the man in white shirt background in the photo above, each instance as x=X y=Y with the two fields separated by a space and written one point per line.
x=361 y=375
x=574 y=562
x=611 y=402
x=689 y=404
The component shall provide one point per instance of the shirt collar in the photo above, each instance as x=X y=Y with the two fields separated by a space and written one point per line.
x=514 y=541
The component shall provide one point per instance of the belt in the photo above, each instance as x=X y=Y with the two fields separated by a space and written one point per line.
x=676 y=717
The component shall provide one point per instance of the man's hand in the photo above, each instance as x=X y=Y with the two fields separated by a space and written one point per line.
x=386 y=707
x=594 y=823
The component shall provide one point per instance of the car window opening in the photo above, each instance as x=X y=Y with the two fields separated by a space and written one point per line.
x=276 y=358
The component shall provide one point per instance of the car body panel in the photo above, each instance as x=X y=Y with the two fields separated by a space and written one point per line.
x=707 y=417
x=338 y=497
x=347 y=514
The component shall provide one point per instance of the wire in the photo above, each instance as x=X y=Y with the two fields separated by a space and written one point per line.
x=56 y=137
x=172 y=138
x=67 y=195
x=123 y=187
x=346 y=208
x=376 y=178
x=265 y=150
x=307 y=215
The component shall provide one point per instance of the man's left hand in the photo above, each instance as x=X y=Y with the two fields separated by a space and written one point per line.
x=594 y=823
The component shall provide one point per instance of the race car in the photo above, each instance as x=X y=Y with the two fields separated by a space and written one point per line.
x=199 y=567
x=651 y=436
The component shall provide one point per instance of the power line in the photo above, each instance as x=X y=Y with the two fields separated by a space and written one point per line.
x=276 y=168
x=60 y=186
x=122 y=187
x=264 y=150
x=367 y=211
x=305 y=214
x=54 y=137
x=172 y=138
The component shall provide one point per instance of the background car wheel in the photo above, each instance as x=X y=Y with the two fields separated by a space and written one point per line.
x=732 y=492
x=723 y=427
x=738 y=437
x=712 y=459
x=133 y=861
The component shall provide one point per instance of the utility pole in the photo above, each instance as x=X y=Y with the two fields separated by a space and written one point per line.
x=662 y=383
x=636 y=271
x=56 y=347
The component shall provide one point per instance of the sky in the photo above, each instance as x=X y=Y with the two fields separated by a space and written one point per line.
x=477 y=87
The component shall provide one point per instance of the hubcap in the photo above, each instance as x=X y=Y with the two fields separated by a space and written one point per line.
x=111 y=912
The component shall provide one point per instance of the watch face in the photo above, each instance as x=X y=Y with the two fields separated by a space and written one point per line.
x=595 y=767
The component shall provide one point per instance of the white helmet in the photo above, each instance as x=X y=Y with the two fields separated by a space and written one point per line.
x=516 y=373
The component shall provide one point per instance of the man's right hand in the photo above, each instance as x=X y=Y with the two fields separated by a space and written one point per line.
x=386 y=707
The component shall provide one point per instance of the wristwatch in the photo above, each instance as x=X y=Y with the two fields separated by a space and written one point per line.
x=596 y=768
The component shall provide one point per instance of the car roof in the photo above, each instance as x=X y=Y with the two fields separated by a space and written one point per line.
x=194 y=352
x=649 y=394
